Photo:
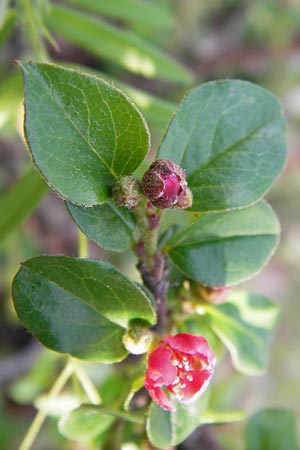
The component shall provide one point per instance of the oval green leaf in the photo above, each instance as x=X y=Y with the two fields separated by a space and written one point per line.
x=84 y=424
x=168 y=428
x=108 y=225
x=225 y=248
x=88 y=421
x=229 y=136
x=245 y=323
x=82 y=132
x=272 y=429
x=78 y=306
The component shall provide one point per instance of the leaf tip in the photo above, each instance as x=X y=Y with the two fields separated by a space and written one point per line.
x=22 y=64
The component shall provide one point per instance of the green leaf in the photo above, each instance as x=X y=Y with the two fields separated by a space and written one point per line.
x=245 y=323
x=20 y=201
x=118 y=45
x=131 y=11
x=157 y=111
x=272 y=429
x=226 y=248
x=11 y=94
x=229 y=137
x=168 y=428
x=79 y=306
x=7 y=22
x=114 y=386
x=88 y=421
x=82 y=132
x=109 y=225
x=83 y=424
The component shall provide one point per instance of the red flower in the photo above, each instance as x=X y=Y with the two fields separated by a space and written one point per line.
x=181 y=364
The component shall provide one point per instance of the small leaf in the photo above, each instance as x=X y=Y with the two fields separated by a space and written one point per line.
x=77 y=306
x=168 y=428
x=229 y=137
x=109 y=225
x=20 y=201
x=119 y=45
x=131 y=11
x=82 y=132
x=272 y=429
x=226 y=248
x=83 y=424
x=245 y=323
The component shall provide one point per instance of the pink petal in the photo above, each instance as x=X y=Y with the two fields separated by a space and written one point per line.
x=160 y=368
x=171 y=187
x=188 y=343
x=196 y=387
x=159 y=396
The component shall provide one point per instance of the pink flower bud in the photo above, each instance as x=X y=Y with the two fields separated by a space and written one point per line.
x=165 y=185
x=183 y=365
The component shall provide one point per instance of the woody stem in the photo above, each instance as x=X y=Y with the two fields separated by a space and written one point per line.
x=152 y=263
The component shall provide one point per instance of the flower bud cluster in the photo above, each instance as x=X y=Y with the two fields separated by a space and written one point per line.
x=165 y=185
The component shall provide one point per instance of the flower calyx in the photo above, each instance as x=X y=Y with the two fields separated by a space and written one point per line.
x=164 y=184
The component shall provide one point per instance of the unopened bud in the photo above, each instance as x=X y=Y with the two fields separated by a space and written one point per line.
x=216 y=295
x=127 y=191
x=138 y=338
x=165 y=185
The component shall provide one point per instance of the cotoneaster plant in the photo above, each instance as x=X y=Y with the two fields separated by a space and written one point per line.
x=197 y=224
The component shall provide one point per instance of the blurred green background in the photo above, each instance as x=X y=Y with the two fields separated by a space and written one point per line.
x=155 y=50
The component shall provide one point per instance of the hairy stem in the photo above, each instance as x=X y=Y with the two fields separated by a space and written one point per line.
x=152 y=263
